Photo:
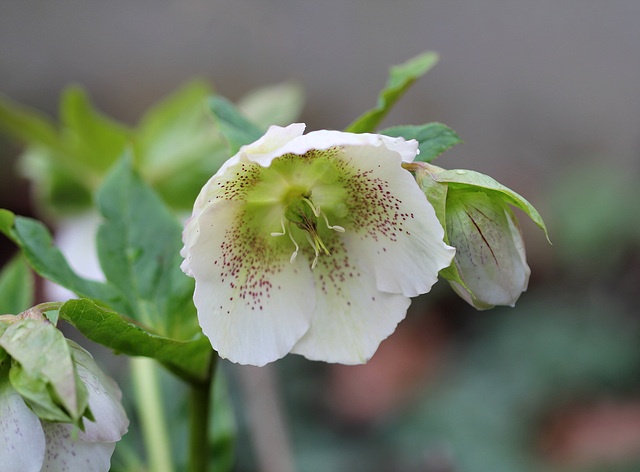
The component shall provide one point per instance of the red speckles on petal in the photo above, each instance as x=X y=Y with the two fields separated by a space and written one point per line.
x=249 y=260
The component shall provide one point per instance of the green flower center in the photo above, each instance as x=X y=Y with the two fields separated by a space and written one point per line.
x=304 y=214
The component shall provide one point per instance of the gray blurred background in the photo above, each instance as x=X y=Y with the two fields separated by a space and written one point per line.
x=530 y=86
x=545 y=95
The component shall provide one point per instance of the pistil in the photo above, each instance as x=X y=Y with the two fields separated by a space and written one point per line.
x=297 y=212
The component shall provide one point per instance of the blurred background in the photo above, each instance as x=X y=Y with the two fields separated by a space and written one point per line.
x=545 y=96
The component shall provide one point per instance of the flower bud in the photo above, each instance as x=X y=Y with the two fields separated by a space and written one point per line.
x=490 y=266
x=490 y=256
x=58 y=410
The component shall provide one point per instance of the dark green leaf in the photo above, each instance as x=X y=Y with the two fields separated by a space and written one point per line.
x=112 y=330
x=434 y=138
x=139 y=251
x=16 y=287
x=236 y=129
x=401 y=77
x=36 y=243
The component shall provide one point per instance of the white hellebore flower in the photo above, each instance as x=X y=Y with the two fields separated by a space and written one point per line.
x=311 y=244
x=29 y=444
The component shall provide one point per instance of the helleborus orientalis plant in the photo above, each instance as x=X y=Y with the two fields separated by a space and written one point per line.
x=310 y=244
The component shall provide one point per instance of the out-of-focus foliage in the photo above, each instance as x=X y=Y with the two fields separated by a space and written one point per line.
x=597 y=220
x=16 y=286
x=175 y=146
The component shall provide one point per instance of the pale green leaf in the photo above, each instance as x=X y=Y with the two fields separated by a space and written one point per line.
x=460 y=179
x=43 y=371
x=26 y=125
x=401 y=77
x=234 y=126
x=177 y=145
x=93 y=140
x=16 y=287
x=278 y=104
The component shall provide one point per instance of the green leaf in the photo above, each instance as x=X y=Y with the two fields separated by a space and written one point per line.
x=6 y=221
x=458 y=179
x=139 y=250
x=27 y=125
x=112 y=330
x=433 y=138
x=37 y=245
x=177 y=145
x=172 y=116
x=16 y=287
x=94 y=140
x=43 y=371
x=236 y=129
x=401 y=77
x=278 y=104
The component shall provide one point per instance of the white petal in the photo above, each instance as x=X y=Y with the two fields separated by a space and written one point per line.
x=253 y=304
x=395 y=229
x=67 y=454
x=352 y=318
x=111 y=421
x=270 y=145
x=22 y=442
x=324 y=139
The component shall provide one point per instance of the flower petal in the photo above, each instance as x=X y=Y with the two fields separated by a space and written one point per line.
x=352 y=318
x=395 y=228
x=324 y=139
x=253 y=304
x=64 y=453
x=111 y=421
x=269 y=146
x=22 y=442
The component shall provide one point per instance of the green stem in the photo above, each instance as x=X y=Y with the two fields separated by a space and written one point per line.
x=200 y=415
x=144 y=373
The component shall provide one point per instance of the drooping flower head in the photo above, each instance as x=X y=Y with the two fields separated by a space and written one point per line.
x=490 y=266
x=311 y=244
x=31 y=444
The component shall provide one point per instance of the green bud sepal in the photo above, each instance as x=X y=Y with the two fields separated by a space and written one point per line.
x=490 y=265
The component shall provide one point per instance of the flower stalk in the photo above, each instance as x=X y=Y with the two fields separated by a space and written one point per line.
x=200 y=408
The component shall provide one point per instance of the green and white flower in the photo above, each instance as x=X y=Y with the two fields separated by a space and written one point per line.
x=311 y=244
x=31 y=444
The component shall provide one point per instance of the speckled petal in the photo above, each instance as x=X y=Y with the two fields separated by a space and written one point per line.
x=395 y=227
x=22 y=442
x=65 y=454
x=253 y=304
x=325 y=139
x=352 y=317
